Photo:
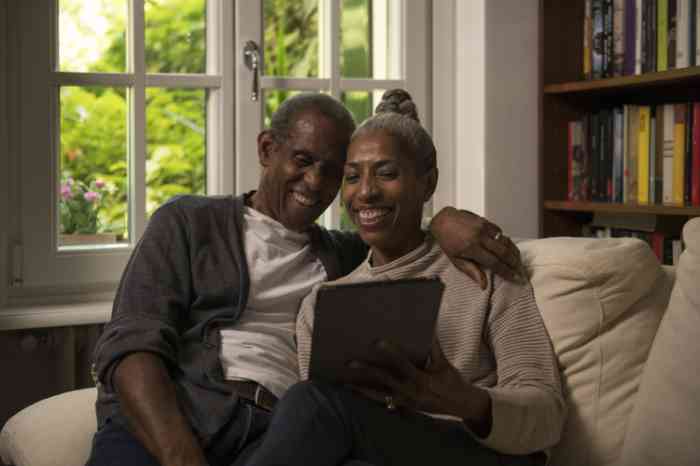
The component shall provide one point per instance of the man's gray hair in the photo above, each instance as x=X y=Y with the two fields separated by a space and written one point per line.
x=284 y=117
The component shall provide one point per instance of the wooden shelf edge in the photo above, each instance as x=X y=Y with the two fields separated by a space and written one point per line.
x=576 y=206
x=642 y=80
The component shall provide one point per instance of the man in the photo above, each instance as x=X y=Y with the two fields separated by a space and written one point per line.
x=201 y=341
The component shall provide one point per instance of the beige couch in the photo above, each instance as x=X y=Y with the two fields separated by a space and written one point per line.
x=628 y=347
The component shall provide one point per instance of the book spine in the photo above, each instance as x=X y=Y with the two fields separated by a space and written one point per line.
x=668 y=112
x=682 y=30
x=677 y=247
x=695 y=187
x=652 y=156
x=609 y=164
x=668 y=251
x=659 y=156
x=653 y=48
x=598 y=39
x=633 y=153
x=688 y=182
x=618 y=130
x=638 y=35
x=609 y=47
x=645 y=37
x=629 y=28
x=579 y=162
x=678 y=153
x=662 y=31
x=619 y=37
x=657 y=245
x=586 y=149
x=594 y=155
x=587 y=37
x=625 y=153
x=671 y=32
x=602 y=155
x=692 y=26
x=643 y=158
x=697 y=33
x=570 y=155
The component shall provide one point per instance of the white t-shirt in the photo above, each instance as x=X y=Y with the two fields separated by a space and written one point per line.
x=282 y=270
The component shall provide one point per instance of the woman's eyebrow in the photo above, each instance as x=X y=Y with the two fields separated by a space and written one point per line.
x=378 y=163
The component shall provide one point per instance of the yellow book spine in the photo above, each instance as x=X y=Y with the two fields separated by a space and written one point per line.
x=662 y=35
x=643 y=155
x=678 y=154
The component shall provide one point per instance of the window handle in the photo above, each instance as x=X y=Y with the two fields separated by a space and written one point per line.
x=251 y=58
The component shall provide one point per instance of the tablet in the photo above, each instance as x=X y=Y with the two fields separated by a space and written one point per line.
x=350 y=318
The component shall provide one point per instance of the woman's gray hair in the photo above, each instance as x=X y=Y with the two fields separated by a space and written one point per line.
x=396 y=115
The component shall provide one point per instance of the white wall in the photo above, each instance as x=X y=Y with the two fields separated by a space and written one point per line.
x=488 y=134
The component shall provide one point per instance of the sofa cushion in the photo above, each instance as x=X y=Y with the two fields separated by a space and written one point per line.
x=601 y=301
x=57 y=430
x=665 y=425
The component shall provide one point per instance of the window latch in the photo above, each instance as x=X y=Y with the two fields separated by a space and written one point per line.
x=251 y=59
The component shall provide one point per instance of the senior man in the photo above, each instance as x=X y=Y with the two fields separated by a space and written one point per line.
x=201 y=340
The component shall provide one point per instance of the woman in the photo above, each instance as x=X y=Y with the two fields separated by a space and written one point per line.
x=490 y=393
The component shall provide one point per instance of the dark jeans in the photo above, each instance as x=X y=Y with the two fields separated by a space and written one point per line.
x=324 y=425
x=114 y=445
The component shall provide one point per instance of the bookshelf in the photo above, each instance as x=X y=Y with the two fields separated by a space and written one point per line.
x=567 y=96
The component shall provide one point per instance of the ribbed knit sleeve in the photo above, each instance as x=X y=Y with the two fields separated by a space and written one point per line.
x=305 y=325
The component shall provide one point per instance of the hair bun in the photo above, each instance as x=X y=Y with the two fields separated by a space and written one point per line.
x=398 y=101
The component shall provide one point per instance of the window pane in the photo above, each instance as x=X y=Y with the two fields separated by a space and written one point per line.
x=370 y=38
x=291 y=38
x=175 y=36
x=93 y=166
x=176 y=144
x=92 y=35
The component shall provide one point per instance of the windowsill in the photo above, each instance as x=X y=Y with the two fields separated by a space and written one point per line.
x=64 y=315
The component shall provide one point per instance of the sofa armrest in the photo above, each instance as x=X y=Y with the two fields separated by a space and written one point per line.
x=57 y=430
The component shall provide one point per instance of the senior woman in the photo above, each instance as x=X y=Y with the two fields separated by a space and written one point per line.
x=490 y=394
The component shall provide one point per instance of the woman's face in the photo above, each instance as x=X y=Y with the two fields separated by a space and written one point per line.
x=384 y=195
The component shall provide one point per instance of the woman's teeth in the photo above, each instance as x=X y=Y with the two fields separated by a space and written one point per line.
x=371 y=215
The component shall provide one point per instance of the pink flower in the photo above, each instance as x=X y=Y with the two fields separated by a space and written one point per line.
x=66 y=192
x=91 y=196
x=99 y=184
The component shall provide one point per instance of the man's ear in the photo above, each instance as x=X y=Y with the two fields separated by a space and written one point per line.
x=267 y=144
x=431 y=179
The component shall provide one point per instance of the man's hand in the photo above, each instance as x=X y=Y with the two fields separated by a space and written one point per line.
x=472 y=242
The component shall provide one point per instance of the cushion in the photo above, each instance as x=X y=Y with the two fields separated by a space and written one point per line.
x=601 y=301
x=57 y=430
x=665 y=425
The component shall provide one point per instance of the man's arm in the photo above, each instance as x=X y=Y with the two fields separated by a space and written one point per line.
x=472 y=242
x=147 y=397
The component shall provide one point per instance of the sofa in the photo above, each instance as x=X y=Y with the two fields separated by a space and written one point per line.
x=626 y=332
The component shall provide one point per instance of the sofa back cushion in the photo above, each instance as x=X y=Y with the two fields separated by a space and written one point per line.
x=665 y=425
x=601 y=301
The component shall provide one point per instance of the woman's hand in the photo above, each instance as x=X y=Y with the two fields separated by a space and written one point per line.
x=438 y=388
x=472 y=242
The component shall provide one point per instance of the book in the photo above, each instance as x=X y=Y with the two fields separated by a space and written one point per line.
x=643 y=155
x=585 y=187
x=617 y=159
x=668 y=137
x=688 y=172
x=671 y=34
x=695 y=186
x=595 y=155
x=625 y=151
x=678 y=153
x=608 y=45
x=657 y=245
x=618 y=31
x=606 y=142
x=658 y=179
x=632 y=155
x=652 y=156
x=587 y=37
x=692 y=26
x=677 y=248
x=682 y=29
x=630 y=27
x=639 y=35
x=571 y=126
x=662 y=35
x=598 y=39
x=697 y=33
x=653 y=47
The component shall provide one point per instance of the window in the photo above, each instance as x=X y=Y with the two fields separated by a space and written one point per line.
x=350 y=49
x=129 y=105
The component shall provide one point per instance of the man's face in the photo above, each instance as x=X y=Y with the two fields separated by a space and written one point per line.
x=302 y=174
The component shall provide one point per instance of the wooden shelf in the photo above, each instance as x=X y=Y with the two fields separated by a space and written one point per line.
x=575 y=206
x=647 y=80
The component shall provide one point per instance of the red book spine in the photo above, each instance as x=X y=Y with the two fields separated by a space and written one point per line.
x=570 y=151
x=695 y=172
x=657 y=244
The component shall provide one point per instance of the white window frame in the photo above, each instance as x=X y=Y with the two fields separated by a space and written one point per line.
x=39 y=271
x=414 y=69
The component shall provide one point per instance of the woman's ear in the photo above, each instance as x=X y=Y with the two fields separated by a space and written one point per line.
x=430 y=184
x=266 y=147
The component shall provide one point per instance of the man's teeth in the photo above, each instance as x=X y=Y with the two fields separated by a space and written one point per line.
x=304 y=200
x=370 y=214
